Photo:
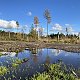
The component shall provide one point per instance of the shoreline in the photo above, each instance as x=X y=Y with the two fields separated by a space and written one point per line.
x=17 y=46
x=75 y=48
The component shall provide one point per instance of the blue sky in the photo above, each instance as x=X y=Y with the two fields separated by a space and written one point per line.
x=62 y=12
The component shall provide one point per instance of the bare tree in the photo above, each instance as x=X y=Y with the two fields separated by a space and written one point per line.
x=79 y=35
x=66 y=31
x=47 y=16
x=24 y=28
x=17 y=23
x=9 y=27
x=36 y=22
x=40 y=31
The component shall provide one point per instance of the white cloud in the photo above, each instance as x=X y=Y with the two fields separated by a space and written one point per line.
x=29 y=13
x=8 y=24
x=39 y=28
x=26 y=26
x=69 y=28
x=76 y=33
x=36 y=28
x=57 y=27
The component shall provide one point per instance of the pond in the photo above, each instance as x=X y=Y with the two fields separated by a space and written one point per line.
x=36 y=58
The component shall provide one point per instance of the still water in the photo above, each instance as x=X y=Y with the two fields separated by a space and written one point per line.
x=36 y=60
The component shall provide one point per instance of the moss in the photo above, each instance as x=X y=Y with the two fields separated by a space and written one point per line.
x=1 y=54
x=43 y=76
x=55 y=72
x=17 y=62
x=3 y=70
x=14 y=65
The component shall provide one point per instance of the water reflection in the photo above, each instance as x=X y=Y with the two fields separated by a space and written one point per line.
x=34 y=50
x=40 y=51
x=8 y=54
x=56 y=52
x=37 y=57
x=16 y=54
x=47 y=61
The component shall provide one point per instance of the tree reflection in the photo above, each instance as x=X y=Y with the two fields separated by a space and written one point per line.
x=34 y=50
x=34 y=56
x=40 y=52
x=57 y=50
x=47 y=61
x=16 y=55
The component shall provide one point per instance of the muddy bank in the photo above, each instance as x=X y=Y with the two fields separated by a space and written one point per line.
x=67 y=47
x=12 y=46
x=15 y=46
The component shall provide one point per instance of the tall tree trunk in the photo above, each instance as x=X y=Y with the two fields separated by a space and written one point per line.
x=17 y=32
x=37 y=32
x=58 y=37
x=23 y=35
x=9 y=34
x=47 y=31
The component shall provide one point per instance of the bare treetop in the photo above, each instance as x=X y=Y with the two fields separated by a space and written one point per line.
x=36 y=20
x=17 y=23
x=47 y=15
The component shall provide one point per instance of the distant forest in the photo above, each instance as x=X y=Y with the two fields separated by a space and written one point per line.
x=33 y=36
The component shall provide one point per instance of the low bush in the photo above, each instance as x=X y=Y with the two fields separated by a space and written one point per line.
x=56 y=72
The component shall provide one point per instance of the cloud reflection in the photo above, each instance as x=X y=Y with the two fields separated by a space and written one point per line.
x=56 y=52
x=8 y=54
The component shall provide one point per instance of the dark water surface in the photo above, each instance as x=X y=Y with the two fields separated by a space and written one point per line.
x=36 y=60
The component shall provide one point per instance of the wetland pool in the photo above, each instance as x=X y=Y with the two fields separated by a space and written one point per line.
x=36 y=58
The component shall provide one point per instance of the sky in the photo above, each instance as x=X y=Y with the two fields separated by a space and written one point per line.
x=64 y=13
